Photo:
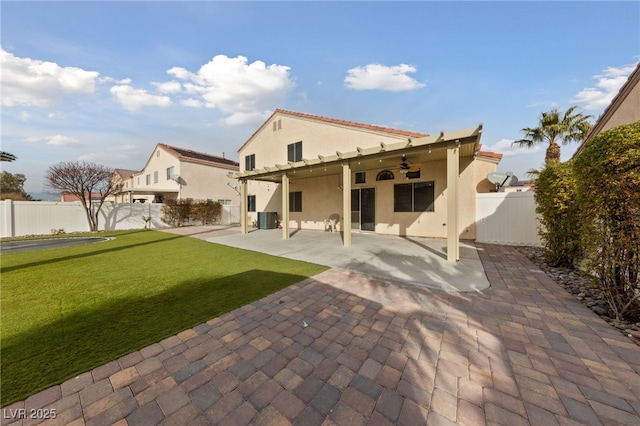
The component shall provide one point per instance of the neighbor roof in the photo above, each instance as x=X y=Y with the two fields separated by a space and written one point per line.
x=124 y=173
x=199 y=157
x=335 y=121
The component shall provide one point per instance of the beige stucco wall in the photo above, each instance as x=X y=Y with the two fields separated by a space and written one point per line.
x=201 y=182
x=627 y=112
x=322 y=197
x=270 y=146
x=197 y=181
x=159 y=161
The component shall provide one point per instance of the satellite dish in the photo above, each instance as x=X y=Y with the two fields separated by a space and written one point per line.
x=501 y=179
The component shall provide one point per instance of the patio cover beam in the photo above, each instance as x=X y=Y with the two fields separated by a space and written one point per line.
x=285 y=206
x=243 y=206
x=453 y=171
x=346 y=204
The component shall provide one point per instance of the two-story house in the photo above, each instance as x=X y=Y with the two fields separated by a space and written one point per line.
x=315 y=171
x=178 y=173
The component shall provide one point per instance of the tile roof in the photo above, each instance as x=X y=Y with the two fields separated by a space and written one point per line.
x=199 y=157
x=125 y=174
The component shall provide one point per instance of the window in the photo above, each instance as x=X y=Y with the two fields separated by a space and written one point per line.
x=277 y=125
x=385 y=175
x=138 y=181
x=295 y=201
x=413 y=197
x=251 y=203
x=294 y=152
x=155 y=177
x=225 y=202
x=148 y=179
x=249 y=162
x=169 y=172
x=158 y=153
x=361 y=177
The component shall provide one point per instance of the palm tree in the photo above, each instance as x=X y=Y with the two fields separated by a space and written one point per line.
x=5 y=156
x=556 y=127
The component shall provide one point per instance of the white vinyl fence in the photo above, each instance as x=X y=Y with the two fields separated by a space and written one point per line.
x=20 y=218
x=507 y=218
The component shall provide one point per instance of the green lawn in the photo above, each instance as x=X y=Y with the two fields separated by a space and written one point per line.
x=66 y=311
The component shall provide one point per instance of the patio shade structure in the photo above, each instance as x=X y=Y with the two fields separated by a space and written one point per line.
x=444 y=146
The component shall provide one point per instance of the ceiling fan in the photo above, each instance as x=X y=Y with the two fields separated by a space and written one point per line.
x=405 y=167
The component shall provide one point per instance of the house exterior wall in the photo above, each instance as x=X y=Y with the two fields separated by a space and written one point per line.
x=322 y=196
x=201 y=182
x=270 y=146
x=158 y=163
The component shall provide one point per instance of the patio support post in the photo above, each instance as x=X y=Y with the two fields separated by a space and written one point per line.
x=453 y=171
x=285 y=207
x=243 y=206
x=346 y=204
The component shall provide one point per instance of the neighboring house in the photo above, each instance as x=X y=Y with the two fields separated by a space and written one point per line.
x=314 y=171
x=124 y=179
x=68 y=197
x=519 y=186
x=624 y=109
x=178 y=173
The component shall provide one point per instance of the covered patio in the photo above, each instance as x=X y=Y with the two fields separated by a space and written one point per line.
x=448 y=147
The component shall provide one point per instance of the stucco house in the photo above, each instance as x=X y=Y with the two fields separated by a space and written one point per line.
x=317 y=173
x=623 y=109
x=124 y=179
x=178 y=173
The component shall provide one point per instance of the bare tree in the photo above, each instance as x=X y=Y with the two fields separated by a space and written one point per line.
x=90 y=182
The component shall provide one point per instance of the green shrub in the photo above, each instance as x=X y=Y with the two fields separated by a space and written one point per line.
x=608 y=179
x=206 y=211
x=557 y=208
x=179 y=212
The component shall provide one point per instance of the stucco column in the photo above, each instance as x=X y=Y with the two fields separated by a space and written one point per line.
x=453 y=171
x=285 y=207
x=243 y=207
x=346 y=204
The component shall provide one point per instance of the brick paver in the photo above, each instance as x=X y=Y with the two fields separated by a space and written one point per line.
x=373 y=351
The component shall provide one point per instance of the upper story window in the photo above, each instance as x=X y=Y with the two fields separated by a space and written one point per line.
x=148 y=179
x=170 y=172
x=294 y=151
x=155 y=177
x=249 y=162
x=361 y=177
x=158 y=153
x=277 y=125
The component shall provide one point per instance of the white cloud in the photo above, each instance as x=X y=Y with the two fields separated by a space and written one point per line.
x=235 y=86
x=133 y=99
x=507 y=149
x=60 y=140
x=240 y=118
x=168 y=87
x=31 y=82
x=607 y=87
x=24 y=116
x=382 y=77
x=115 y=154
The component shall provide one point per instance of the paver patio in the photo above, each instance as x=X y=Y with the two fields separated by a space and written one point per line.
x=347 y=348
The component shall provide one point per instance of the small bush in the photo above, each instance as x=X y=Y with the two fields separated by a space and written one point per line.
x=180 y=212
x=206 y=211
x=558 y=208
x=608 y=182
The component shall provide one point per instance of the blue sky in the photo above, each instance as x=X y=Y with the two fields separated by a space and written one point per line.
x=105 y=81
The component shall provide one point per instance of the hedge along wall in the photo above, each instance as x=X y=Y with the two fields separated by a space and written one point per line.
x=607 y=176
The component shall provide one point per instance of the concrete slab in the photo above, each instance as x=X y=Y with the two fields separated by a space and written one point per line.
x=415 y=260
